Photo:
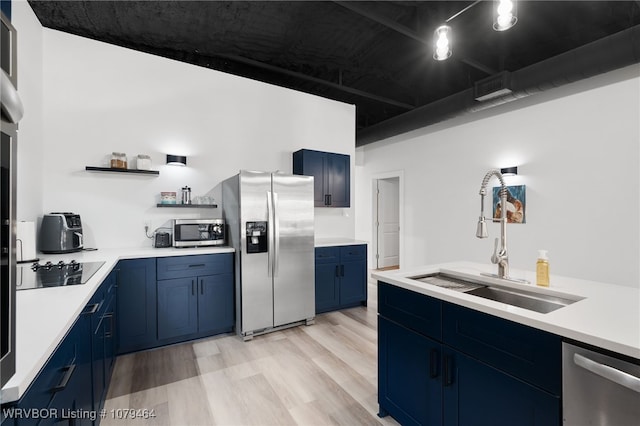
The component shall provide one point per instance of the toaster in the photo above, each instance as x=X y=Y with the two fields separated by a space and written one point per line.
x=61 y=233
x=162 y=239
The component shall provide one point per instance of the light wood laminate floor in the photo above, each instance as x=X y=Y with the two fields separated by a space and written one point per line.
x=323 y=374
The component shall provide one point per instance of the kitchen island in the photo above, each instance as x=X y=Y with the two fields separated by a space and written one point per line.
x=607 y=316
x=45 y=315
x=448 y=356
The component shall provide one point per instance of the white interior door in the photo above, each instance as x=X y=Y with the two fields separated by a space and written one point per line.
x=388 y=222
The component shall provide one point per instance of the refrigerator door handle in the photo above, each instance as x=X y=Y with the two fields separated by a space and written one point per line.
x=270 y=244
x=276 y=234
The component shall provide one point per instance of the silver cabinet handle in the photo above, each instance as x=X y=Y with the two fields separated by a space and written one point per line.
x=620 y=377
x=68 y=372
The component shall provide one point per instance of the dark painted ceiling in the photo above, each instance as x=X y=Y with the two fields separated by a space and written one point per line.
x=374 y=54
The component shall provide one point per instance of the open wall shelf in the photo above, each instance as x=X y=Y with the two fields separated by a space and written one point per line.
x=113 y=170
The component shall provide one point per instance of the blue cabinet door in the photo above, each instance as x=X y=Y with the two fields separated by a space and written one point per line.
x=353 y=275
x=331 y=173
x=477 y=394
x=312 y=163
x=337 y=180
x=409 y=386
x=215 y=303
x=327 y=287
x=177 y=307
x=353 y=283
x=136 y=302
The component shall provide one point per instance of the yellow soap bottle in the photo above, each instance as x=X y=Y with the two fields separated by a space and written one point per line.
x=542 y=269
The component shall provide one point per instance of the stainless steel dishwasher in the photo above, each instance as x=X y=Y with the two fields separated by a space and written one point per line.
x=599 y=389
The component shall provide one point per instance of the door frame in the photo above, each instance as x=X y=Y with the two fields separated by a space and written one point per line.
x=374 y=205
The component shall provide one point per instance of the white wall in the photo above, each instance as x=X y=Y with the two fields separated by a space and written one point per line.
x=98 y=98
x=30 y=146
x=577 y=149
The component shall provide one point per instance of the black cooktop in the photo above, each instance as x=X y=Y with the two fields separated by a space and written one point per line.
x=55 y=274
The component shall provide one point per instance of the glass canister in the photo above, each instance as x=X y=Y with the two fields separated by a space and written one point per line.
x=118 y=160
x=115 y=156
x=143 y=162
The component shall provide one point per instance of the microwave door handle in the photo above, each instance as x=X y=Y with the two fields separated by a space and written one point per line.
x=613 y=374
x=270 y=244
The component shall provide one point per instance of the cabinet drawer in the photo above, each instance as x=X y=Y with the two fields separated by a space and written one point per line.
x=56 y=373
x=349 y=253
x=525 y=352
x=327 y=254
x=190 y=266
x=410 y=309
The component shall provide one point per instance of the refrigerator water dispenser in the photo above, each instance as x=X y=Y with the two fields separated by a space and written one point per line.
x=256 y=237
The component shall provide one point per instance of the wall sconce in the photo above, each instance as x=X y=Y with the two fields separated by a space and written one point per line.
x=506 y=15
x=176 y=160
x=441 y=43
x=509 y=171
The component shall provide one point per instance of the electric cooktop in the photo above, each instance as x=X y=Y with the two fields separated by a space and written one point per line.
x=55 y=274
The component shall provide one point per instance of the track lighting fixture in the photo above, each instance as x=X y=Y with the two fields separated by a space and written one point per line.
x=442 y=44
x=506 y=15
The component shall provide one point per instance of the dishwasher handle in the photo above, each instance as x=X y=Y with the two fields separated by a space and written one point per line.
x=620 y=377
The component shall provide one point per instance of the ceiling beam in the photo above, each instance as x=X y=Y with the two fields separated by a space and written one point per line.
x=327 y=83
x=389 y=23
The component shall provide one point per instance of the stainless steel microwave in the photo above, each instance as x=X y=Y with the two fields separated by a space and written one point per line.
x=198 y=232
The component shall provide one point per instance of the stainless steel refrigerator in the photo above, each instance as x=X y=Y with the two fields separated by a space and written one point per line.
x=271 y=226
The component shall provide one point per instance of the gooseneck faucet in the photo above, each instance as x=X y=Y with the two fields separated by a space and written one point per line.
x=501 y=256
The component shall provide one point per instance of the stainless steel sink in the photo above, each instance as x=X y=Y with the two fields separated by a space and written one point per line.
x=533 y=301
x=542 y=303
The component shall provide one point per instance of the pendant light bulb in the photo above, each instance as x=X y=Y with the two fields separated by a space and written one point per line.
x=506 y=15
x=442 y=44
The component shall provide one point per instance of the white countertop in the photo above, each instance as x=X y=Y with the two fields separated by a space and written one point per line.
x=608 y=317
x=44 y=315
x=337 y=241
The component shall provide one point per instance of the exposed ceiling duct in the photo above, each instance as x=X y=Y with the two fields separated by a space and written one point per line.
x=607 y=54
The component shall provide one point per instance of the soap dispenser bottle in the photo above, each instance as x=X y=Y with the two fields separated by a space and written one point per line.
x=542 y=269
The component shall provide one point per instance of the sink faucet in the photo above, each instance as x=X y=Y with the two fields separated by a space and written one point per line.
x=499 y=257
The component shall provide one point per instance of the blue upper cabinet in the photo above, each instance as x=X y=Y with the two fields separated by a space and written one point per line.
x=332 y=176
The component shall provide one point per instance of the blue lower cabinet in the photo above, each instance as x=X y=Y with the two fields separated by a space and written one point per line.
x=477 y=394
x=103 y=338
x=177 y=307
x=216 y=310
x=62 y=392
x=409 y=386
x=136 y=301
x=442 y=364
x=195 y=297
x=353 y=283
x=327 y=287
x=340 y=277
x=195 y=307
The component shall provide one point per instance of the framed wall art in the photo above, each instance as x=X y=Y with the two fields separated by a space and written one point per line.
x=516 y=203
